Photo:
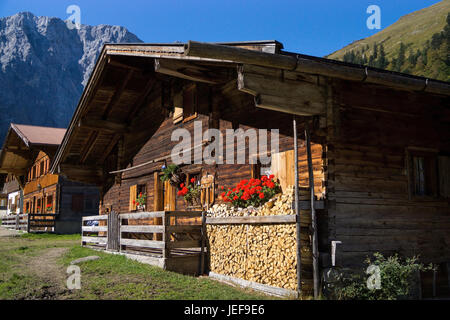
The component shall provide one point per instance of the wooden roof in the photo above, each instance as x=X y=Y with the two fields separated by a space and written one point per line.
x=127 y=78
x=23 y=143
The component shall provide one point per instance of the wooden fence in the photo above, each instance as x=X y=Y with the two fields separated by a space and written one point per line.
x=10 y=222
x=162 y=235
x=92 y=235
x=41 y=222
x=33 y=222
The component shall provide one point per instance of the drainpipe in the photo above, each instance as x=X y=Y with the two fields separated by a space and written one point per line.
x=315 y=249
x=297 y=211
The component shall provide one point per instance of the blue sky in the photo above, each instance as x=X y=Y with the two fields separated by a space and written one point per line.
x=315 y=27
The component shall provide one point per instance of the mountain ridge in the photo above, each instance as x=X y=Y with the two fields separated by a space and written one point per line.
x=44 y=67
x=417 y=44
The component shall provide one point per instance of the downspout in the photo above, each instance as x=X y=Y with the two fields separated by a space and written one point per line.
x=297 y=212
x=315 y=249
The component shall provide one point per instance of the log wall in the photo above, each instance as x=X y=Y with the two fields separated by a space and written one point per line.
x=236 y=111
x=370 y=208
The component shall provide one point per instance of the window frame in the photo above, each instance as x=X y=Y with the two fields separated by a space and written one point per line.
x=431 y=175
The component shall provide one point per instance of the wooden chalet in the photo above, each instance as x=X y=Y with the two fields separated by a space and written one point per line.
x=10 y=195
x=25 y=157
x=380 y=141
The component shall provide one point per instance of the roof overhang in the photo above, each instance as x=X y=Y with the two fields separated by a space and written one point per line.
x=19 y=151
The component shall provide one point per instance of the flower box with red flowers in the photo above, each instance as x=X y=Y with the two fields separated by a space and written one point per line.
x=190 y=193
x=252 y=192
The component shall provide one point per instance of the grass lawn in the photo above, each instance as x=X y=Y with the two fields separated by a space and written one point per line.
x=33 y=266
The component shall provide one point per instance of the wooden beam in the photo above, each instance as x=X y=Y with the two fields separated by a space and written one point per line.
x=95 y=170
x=139 y=101
x=253 y=220
x=103 y=125
x=115 y=63
x=233 y=54
x=24 y=153
x=315 y=245
x=275 y=93
x=81 y=173
x=15 y=171
x=89 y=146
x=318 y=66
x=117 y=94
x=108 y=150
x=188 y=71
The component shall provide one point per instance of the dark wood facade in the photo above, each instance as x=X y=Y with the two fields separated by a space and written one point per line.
x=381 y=141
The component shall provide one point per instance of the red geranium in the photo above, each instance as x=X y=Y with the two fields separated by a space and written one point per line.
x=253 y=192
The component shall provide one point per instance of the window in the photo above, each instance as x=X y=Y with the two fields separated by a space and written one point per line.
x=444 y=176
x=38 y=206
x=135 y=190
x=77 y=202
x=189 y=103
x=41 y=168
x=422 y=167
x=49 y=205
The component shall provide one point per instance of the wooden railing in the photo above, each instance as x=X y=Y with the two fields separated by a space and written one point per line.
x=165 y=236
x=22 y=222
x=41 y=222
x=9 y=222
x=94 y=236
x=162 y=234
x=32 y=222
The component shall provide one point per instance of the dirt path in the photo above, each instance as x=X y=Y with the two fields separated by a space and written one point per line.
x=53 y=275
x=8 y=233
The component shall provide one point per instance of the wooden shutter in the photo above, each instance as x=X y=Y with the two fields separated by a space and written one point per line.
x=158 y=192
x=190 y=103
x=133 y=196
x=283 y=168
x=178 y=108
x=444 y=176
x=255 y=171
x=169 y=196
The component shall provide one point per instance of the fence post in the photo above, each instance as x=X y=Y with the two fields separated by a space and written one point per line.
x=203 y=239
x=18 y=222
x=166 y=236
x=112 y=235
x=28 y=223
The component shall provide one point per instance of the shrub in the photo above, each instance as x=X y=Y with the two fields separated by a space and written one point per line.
x=396 y=275
x=168 y=171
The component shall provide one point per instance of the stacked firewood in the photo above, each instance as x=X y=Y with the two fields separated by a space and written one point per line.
x=263 y=253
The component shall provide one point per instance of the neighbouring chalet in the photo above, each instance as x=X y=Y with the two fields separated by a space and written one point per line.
x=10 y=195
x=26 y=156
x=380 y=140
